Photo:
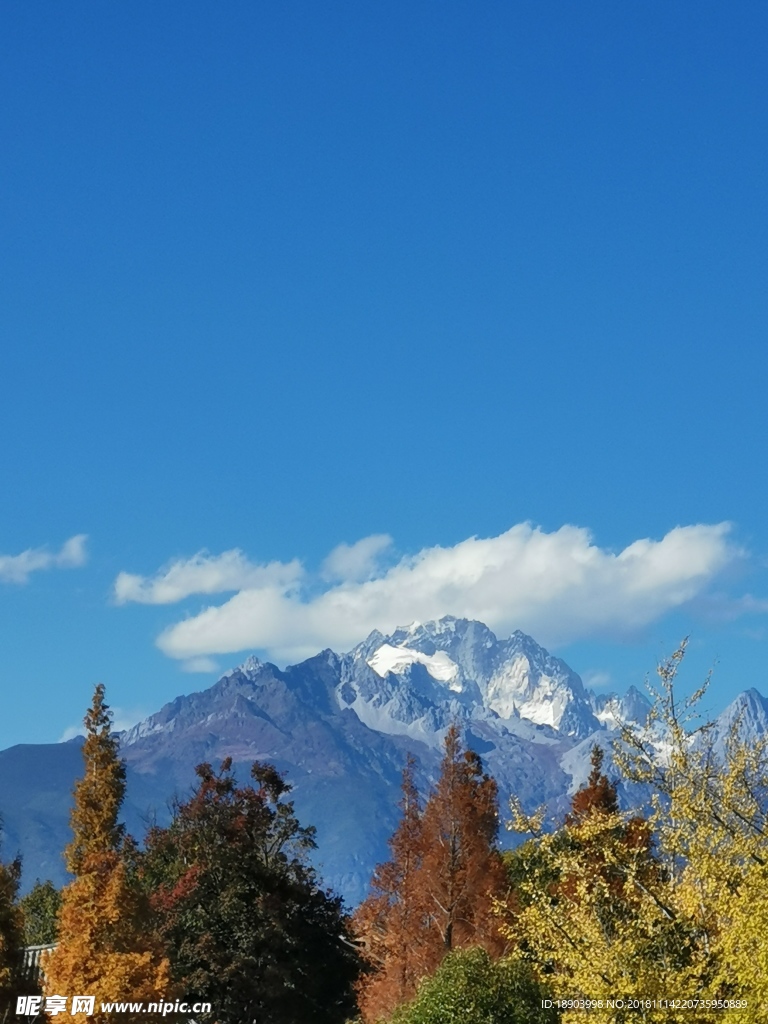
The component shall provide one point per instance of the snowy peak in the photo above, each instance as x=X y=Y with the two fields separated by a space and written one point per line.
x=613 y=711
x=747 y=716
x=511 y=680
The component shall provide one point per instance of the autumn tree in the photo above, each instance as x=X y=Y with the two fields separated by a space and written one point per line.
x=390 y=922
x=437 y=893
x=461 y=870
x=105 y=947
x=248 y=926
x=599 y=795
x=606 y=913
x=711 y=821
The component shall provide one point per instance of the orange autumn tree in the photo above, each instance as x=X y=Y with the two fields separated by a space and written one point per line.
x=105 y=949
x=391 y=919
x=462 y=872
x=438 y=891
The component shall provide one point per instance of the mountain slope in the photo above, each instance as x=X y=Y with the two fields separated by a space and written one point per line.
x=340 y=727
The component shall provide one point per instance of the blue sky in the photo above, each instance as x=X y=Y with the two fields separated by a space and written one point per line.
x=298 y=299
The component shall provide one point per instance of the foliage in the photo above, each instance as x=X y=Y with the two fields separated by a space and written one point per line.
x=605 y=912
x=391 y=919
x=471 y=988
x=105 y=948
x=11 y=937
x=711 y=819
x=589 y=900
x=248 y=927
x=461 y=869
x=437 y=891
x=41 y=907
x=99 y=794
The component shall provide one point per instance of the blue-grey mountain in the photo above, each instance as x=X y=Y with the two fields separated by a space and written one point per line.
x=340 y=727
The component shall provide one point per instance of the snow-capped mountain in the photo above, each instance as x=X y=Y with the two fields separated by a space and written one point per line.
x=612 y=710
x=420 y=678
x=340 y=728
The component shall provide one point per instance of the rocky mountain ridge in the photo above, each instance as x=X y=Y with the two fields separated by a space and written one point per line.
x=340 y=728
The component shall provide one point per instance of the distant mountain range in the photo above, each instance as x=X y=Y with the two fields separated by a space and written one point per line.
x=340 y=728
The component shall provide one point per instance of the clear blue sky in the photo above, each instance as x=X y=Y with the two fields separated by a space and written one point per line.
x=281 y=277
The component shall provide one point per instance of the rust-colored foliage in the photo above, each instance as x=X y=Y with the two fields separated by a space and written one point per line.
x=105 y=949
x=436 y=892
x=599 y=799
x=599 y=794
x=390 y=922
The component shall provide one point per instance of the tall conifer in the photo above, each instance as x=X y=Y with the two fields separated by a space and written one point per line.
x=462 y=871
x=105 y=949
x=436 y=893
x=390 y=921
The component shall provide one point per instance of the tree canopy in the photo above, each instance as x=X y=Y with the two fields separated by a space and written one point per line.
x=437 y=891
x=11 y=937
x=40 y=908
x=613 y=905
x=247 y=924
x=105 y=947
x=471 y=988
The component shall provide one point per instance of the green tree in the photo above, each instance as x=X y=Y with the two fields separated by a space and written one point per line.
x=40 y=908
x=471 y=988
x=11 y=938
x=106 y=948
x=248 y=927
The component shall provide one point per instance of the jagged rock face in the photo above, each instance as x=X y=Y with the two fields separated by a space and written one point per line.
x=340 y=727
x=747 y=716
x=610 y=710
x=425 y=675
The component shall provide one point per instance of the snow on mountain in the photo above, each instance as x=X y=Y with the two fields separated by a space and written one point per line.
x=484 y=678
x=340 y=727
x=397 y=659
x=747 y=716
x=611 y=710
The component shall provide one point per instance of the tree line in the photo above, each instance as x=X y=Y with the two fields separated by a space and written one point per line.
x=648 y=915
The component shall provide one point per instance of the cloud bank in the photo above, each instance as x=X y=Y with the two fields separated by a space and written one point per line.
x=205 y=574
x=558 y=586
x=18 y=568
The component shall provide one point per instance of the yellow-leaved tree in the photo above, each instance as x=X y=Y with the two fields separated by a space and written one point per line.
x=711 y=820
x=672 y=907
x=106 y=948
x=591 y=910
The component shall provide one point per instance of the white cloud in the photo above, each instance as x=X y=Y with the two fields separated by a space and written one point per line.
x=70 y=732
x=18 y=568
x=122 y=719
x=559 y=587
x=200 y=664
x=597 y=679
x=356 y=562
x=205 y=574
